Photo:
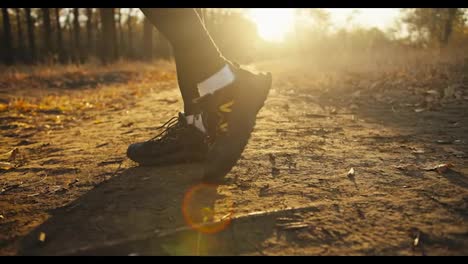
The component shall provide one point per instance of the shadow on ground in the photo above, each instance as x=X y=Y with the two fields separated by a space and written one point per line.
x=139 y=211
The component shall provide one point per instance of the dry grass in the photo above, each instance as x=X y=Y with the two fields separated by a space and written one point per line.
x=68 y=88
x=20 y=72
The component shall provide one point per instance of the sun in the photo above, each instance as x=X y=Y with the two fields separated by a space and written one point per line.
x=272 y=23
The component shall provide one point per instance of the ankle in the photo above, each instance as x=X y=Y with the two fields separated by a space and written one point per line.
x=197 y=121
x=217 y=81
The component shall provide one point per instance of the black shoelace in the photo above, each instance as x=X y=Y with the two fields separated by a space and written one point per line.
x=172 y=125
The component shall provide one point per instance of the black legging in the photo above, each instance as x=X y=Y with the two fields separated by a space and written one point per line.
x=195 y=52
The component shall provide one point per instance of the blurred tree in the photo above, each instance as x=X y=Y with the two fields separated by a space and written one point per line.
x=108 y=35
x=98 y=33
x=321 y=18
x=31 y=38
x=121 y=43
x=130 y=53
x=71 y=52
x=79 y=56
x=147 y=40
x=7 y=39
x=20 y=39
x=47 y=30
x=89 y=32
x=115 y=38
x=60 y=49
x=434 y=26
x=449 y=23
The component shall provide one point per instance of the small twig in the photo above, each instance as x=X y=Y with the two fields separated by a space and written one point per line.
x=118 y=168
x=114 y=161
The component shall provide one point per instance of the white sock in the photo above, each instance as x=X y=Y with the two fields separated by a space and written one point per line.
x=219 y=80
x=196 y=120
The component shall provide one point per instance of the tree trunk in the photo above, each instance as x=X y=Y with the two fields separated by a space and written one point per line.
x=108 y=35
x=114 y=34
x=130 y=34
x=71 y=54
x=31 y=40
x=76 y=29
x=147 y=40
x=47 y=32
x=98 y=35
x=20 y=51
x=60 y=51
x=8 y=49
x=448 y=25
x=89 y=31
x=121 y=35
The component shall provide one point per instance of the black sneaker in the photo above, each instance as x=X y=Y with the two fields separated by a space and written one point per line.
x=230 y=114
x=178 y=143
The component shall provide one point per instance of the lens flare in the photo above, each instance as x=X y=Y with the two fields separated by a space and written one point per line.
x=198 y=209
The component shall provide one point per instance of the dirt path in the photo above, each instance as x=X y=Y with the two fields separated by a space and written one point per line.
x=74 y=184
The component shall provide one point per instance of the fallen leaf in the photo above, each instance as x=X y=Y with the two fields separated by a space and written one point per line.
x=444 y=141
x=10 y=155
x=433 y=92
x=441 y=168
x=14 y=154
x=42 y=237
x=418 y=151
x=416 y=240
x=407 y=167
x=419 y=110
x=6 y=165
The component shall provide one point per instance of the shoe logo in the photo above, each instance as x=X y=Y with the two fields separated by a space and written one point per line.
x=223 y=109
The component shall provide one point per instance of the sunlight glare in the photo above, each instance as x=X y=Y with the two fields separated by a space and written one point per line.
x=273 y=23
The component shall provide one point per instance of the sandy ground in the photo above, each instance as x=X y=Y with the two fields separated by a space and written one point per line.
x=69 y=189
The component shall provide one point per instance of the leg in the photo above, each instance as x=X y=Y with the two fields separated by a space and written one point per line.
x=196 y=55
x=228 y=97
